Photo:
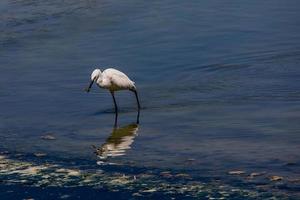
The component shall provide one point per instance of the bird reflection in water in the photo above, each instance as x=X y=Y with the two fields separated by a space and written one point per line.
x=119 y=141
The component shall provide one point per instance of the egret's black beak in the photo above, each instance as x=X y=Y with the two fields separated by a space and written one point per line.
x=90 y=85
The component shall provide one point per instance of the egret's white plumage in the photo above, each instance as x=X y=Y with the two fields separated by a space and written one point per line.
x=113 y=80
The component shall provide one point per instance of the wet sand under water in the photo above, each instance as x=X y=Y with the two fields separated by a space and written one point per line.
x=26 y=179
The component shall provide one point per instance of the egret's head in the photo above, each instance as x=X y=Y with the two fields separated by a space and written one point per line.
x=94 y=76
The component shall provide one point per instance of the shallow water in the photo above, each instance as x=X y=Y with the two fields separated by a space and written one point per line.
x=218 y=82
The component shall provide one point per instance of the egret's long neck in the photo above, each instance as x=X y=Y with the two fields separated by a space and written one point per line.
x=100 y=77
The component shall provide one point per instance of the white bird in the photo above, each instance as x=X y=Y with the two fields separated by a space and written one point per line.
x=113 y=80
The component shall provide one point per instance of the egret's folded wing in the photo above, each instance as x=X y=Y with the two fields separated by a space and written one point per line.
x=120 y=79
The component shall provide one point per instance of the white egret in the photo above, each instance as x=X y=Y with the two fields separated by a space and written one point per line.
x=113 y=80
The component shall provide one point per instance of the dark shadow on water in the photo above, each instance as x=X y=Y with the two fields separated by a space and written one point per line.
x=112 y=110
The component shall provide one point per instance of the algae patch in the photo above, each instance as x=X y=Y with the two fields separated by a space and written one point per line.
x=144 y=184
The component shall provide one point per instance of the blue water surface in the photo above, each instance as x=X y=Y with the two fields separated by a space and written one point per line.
x=218 y=83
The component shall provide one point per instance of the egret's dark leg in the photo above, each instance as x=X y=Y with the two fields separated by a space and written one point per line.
x=138 y=103
x=116 y=120
x=138 y=117
x=116 y=106
x=137 y=99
